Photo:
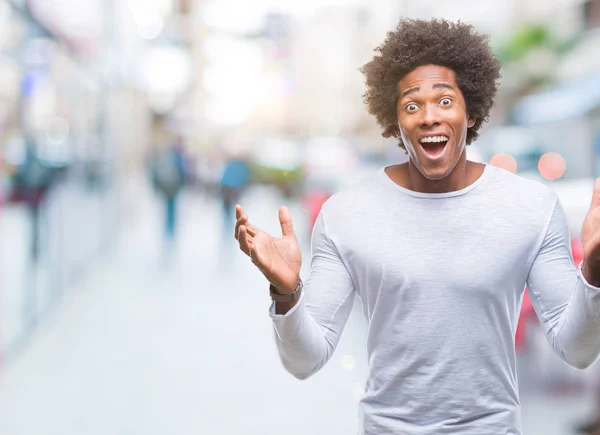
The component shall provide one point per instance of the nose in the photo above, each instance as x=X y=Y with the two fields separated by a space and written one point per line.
x=431 y=116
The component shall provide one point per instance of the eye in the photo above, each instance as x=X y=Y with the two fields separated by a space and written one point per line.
x=445 y=101
x=412 y=107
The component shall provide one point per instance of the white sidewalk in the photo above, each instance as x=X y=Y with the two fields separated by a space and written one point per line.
x=142 y=349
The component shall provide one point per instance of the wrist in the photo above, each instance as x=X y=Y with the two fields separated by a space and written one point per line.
x=285 y=289
x=286 y=295
x=280 y=290
x=591 y=276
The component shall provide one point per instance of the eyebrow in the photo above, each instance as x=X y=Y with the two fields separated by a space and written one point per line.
x=435 y=86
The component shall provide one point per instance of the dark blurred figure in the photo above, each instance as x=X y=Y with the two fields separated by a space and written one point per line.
x=168 y=178
x=592 y=426
x=32 y=181
x=94 y=171
x=234 y=180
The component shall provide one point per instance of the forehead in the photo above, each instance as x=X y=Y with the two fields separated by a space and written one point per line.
x=426 y=76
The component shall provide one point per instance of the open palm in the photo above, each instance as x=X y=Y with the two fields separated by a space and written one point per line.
x=279 y=259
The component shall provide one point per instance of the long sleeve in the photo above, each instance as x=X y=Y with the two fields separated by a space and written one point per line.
x=566 y=305
x=308 y=334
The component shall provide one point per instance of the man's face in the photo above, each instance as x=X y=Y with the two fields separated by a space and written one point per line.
x=433 y=120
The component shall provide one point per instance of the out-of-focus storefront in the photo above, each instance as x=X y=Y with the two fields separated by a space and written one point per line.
x=565 y=119
x=72 y=126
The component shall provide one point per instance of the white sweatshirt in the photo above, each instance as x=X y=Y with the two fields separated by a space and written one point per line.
x=441 y=280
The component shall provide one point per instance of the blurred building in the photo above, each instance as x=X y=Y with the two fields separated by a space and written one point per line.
x=274 y=70
x=551 y=90
x=80 y=85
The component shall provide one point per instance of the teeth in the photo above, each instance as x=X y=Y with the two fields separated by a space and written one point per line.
x=434 y=139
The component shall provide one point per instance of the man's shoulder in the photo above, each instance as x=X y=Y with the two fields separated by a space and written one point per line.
x=521 y=186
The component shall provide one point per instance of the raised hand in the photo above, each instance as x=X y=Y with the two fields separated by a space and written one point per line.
x=590 y=239
x=279 y=259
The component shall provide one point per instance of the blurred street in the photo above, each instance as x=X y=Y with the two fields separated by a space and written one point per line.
x=145 y=346
x=128 y=129
x=148 y=346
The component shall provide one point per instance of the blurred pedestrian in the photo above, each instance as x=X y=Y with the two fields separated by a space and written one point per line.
x=32 y=181
x=439 y=250
x=169 y=177
x=591 y=425
x=234 y=180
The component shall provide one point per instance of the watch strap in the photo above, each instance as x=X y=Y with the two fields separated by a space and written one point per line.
x=288 y=297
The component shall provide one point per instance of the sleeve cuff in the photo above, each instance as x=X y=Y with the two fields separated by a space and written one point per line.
x=274 y=315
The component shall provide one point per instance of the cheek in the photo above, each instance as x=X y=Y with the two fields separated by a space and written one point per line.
x=408 y=144
x=404 y=132
x=406 y=140
x=461 y=125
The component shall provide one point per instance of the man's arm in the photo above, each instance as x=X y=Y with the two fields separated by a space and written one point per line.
x=307 y=331
x=566 y=304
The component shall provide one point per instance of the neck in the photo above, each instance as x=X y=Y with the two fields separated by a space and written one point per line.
x=459 y=178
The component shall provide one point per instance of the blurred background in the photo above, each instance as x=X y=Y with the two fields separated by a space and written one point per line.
x=128 y=131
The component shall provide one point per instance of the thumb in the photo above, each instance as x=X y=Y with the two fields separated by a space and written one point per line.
x=285 y=219
x=596 y=195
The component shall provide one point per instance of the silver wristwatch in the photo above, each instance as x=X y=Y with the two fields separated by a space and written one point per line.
x=289 y=297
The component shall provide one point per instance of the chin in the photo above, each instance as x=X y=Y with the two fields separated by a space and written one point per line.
x=436 y=176
x=435 y=173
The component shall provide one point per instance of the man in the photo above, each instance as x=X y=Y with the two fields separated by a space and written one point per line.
x=438 y=250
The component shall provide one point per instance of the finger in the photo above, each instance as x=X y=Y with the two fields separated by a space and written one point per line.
x=239 y=212
x=244 y=240
x=252 y=229
x=255 y=256
x=285 y=219
x=596 y=195
x=241 y=221
x=252 y=253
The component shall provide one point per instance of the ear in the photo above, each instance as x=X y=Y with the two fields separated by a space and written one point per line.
x=470 y=122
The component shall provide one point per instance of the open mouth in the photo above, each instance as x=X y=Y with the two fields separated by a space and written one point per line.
x=434 y=146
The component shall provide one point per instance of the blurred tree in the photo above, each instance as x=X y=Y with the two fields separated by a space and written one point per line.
x=529 y=57
x=532 y=37
x=524 y=40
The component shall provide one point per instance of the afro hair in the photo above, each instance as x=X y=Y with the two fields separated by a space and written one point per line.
x=416 y=43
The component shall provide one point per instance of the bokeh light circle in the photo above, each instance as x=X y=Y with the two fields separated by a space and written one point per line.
x=552 y=166
x=504 y=161
x=348 y=362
